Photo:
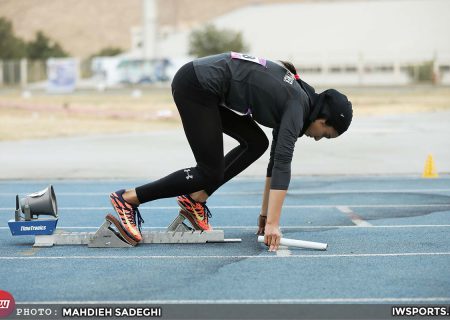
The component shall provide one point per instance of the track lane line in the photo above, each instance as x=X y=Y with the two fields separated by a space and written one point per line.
x=246 y=193
x=274 y=256
x=282 y=227
x=356 y=219
x=331 y=206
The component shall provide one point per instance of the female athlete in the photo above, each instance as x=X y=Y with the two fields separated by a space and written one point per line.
x=232 y=93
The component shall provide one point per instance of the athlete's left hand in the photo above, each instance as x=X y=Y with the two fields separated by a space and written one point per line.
x=272 y=236
x=261 y=225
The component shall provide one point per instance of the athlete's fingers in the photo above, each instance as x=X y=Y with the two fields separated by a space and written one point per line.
x=271 y=243
x=267 y=239
x=275 y=242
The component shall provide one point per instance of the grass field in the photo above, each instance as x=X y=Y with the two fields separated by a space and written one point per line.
x=39 y=115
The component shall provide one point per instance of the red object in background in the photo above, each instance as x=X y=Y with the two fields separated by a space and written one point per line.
x=7 y=304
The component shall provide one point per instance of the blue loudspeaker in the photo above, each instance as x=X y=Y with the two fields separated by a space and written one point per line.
x=28 y=210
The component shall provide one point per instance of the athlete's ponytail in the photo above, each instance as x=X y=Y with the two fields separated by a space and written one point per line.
x=289 y=66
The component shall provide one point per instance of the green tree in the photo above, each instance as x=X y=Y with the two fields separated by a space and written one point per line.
x=211 y=40
x=11 y=47
x=108 y=52
x=42 y=47
x=421 y=72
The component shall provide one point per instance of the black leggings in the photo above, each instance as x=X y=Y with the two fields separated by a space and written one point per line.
x=204 y=121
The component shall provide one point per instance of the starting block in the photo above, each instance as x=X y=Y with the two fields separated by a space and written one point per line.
x=111 y=235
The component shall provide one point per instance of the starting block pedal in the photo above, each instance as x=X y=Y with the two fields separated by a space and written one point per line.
x=106 y=236
x=111 y=235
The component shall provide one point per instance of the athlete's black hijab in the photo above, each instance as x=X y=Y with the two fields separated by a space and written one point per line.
x=331 y=105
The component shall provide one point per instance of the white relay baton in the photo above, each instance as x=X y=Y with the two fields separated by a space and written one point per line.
x=299 y=243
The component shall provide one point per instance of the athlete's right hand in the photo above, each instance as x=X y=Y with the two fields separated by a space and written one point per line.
x=261 y=225
x=272 y=236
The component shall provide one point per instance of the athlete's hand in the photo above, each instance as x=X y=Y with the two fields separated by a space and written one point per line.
x=272 y=236
x=261 y=225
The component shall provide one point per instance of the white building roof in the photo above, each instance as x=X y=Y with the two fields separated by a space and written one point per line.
x=385 y=30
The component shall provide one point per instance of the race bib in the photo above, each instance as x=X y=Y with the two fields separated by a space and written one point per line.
x=242 y=56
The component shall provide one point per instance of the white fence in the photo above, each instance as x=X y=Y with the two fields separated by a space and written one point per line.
x=375 y=72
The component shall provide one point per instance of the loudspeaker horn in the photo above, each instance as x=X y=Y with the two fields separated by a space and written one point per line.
x=39 y=203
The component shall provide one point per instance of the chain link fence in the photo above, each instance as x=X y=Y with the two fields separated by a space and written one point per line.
x=23 y=72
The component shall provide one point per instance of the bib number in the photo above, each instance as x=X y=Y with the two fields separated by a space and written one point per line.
x=246 y=57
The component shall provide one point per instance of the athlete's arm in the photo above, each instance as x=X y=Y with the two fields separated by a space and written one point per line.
x=264 y=208
x=272 y=152
x=290 y=127
x=269 y=219
x=287 y=134
x=272 y=233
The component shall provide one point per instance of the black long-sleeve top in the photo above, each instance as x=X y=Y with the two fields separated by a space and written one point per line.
x=270 y=93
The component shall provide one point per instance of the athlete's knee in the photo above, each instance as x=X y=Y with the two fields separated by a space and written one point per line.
x=217 y=177
x=258 y=145
x=264 y=144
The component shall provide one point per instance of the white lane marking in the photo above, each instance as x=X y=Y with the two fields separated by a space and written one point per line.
x=283 y=252
x=95 y=181
x=246 y=193
x=250 y=301
x=284 y=227
x=356 y=219
x=359 y=191
x=259 y=206
x=302 y=256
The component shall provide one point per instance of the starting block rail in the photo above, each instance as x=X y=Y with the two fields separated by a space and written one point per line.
x=109 y=236
x=111 y=233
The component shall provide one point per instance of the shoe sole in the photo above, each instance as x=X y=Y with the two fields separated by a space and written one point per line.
x=120 y=221
x=188 y=216
x=121 y=230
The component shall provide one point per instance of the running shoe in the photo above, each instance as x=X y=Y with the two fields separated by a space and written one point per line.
x=196 y=212
x=127 y=214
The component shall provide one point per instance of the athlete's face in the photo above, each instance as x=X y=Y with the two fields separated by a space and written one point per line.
x=319 y=129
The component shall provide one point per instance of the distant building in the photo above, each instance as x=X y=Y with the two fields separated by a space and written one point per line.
x=350 y=43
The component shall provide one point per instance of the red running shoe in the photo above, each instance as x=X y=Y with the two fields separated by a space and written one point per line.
x=127 y=214
x=196 y=212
